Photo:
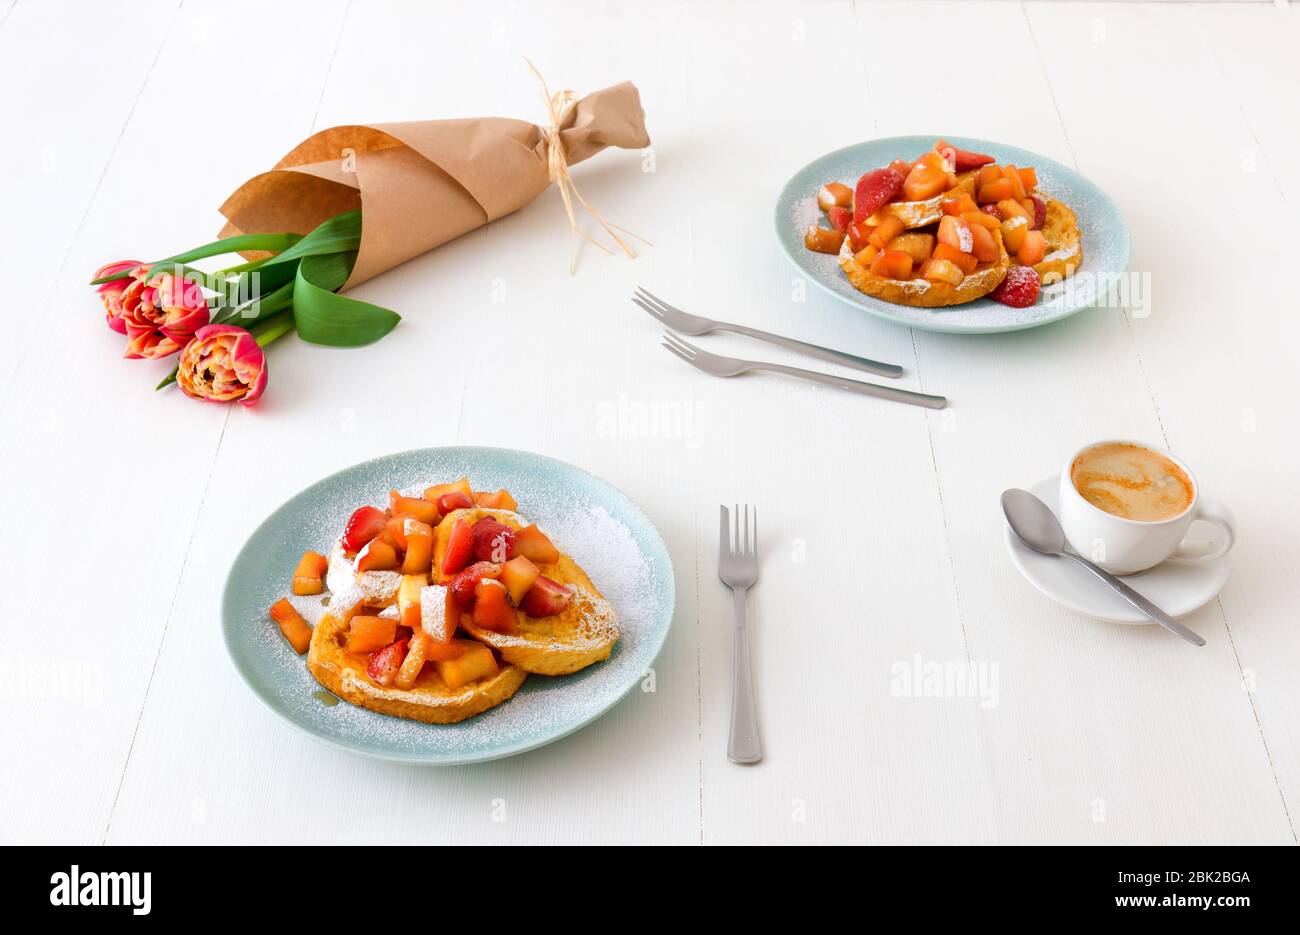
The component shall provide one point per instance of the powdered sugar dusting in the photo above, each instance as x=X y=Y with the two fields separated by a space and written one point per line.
x=595 y=524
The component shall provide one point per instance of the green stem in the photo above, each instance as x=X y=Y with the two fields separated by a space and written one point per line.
x=274 y=330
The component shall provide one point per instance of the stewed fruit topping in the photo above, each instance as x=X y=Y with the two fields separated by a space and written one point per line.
x=874 y=190
x=518 y=576
x=493 y=541
x=962 y=160
x=460 y=547
x=308 y=577
x=456 y=500
x=465 y=583
x=492 y=607
x=1019 y=288
x=377 y=555
x=363 y=525
x=385 y=663
x=533 y=544
x=545 y=598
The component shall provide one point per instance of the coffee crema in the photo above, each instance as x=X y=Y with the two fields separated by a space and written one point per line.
x=1132 y=482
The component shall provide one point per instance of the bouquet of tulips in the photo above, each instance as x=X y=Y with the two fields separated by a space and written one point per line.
x=347 y=204
x=221 y=322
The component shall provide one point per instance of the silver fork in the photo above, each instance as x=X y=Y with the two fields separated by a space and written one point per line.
x=720 y=366
x=696 y=325
x=738 y=569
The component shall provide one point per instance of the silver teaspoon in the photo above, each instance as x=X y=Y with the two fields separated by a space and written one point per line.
x=1038 y=528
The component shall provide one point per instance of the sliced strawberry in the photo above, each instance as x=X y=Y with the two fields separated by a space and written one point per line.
x=1040 y=212
x=961 y=159
x=875 y=190
x=493 y=541
x=460 y=547
x=492 y=608
x=545 y=598
x=363 y=525
x=1019 y=289
x=456 y=500
x=462 y=588
x=840 y=218
x=385 y=662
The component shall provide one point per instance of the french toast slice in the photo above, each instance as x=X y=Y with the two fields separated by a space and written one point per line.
x=924 y=293
x=583 y=633
x=1064 y=243
x=429 y=699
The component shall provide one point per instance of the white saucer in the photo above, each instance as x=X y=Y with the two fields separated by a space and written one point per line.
x=1178 y=588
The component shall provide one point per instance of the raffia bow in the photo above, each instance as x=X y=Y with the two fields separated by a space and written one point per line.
x=558 y=106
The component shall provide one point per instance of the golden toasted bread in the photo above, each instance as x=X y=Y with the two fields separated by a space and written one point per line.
x=428 y=700
x=924 y=293
x=583 y=633
x=1064 y=244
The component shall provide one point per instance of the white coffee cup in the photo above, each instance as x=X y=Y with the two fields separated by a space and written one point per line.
x=1127 y=546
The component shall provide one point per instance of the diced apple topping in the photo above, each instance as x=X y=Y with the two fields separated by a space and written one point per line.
x=937 y=270
x=518 y=576
x=292 y=627
x=475 y=662
x=308 y=577
x=419 y=547
x=492 y=607
x=432 y=494
x=834 y=195
x=418 y=507
x=437 y=618
x=368 y=633
x=823 y=239
x=501 y=500
x=376 y=555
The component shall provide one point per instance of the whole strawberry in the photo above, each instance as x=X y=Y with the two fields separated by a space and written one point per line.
x=1019 y=289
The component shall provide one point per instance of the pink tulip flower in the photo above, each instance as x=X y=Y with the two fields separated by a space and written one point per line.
x=161 y=313
x=222 y=363
x=111 y=292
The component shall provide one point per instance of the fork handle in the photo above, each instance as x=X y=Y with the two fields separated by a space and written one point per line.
x=816 y=350
x=743 y=745
x=858 y=386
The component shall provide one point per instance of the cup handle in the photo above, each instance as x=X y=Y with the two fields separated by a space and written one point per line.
x=1212 y=511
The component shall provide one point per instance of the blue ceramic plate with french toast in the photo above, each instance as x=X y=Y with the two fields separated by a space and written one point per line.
x=1104 y=237
x=587 y=518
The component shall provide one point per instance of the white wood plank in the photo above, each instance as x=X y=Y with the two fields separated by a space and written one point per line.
x=93 y=434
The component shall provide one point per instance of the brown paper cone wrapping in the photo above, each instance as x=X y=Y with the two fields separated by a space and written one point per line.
x=423 y=183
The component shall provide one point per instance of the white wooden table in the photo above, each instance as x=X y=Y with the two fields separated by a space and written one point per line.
x=125 y=124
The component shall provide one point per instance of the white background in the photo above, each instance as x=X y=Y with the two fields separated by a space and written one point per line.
x=126 y=124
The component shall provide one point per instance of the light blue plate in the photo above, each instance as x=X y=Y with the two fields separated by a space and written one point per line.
x=588 y=518
x=1105 y=237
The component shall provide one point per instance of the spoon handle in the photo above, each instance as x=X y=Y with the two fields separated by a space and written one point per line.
x=1138 y=601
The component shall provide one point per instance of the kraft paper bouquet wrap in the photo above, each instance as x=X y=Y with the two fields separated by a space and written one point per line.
x=344 y=206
